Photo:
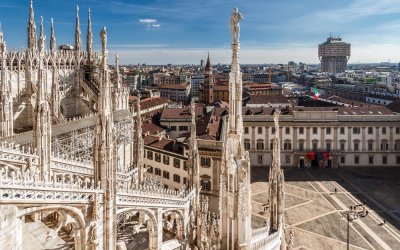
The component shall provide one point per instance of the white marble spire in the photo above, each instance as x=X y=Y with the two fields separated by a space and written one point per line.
x=53 y=46
x=42 y=37
x=78 y=39
x=89 y=40
x=117 y=74
x=31 y=29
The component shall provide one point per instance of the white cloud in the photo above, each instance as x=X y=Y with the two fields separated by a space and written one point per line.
x=147 y=20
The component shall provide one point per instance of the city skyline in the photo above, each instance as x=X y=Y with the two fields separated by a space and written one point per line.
x=180 y=32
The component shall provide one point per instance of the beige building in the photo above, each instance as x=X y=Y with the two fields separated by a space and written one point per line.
x=325 y=137
x=168 y=159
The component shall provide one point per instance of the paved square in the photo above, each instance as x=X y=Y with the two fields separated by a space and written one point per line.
x=314 y=211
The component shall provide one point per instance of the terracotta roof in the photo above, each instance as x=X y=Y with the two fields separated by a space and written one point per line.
x=152 y=102
x=264 y=99
x=151 y=128
x=181 y=113
x=350 y=110
x=163 y=143
x=221 y=88
x=394 y=106
x=174 y=86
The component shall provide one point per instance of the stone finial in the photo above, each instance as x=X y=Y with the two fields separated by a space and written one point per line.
x=103 y=37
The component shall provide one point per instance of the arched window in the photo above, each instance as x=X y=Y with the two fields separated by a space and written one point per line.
x=247 y=144
x=287 y=145
x=260 y=144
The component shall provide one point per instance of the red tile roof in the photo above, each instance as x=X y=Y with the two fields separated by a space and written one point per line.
x=181 y=113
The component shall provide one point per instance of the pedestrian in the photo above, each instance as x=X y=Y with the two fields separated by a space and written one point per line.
x=335 y=190
x=366 y=213
x=384 y=221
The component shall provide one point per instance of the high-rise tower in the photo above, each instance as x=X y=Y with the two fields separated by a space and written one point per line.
x=334 y=55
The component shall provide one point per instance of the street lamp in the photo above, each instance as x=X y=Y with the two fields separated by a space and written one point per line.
x=349 y=215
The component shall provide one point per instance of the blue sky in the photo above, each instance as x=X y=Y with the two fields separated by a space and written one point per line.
x=183 y=31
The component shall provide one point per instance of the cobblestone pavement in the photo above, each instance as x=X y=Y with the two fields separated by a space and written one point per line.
x=314 y=211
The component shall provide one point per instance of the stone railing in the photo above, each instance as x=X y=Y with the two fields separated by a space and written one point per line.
x=272 y=241
x=71 y=166
x=26 y=187
x=155 y=198
x=19 y=154
x=259 y=231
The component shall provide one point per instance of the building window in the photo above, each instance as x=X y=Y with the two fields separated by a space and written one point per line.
x=384 y=130
x=260 y=159
x=185 y=181
x=370 y=130
x=328 y=146
x=384 y=160
x=287 y=159
x=342 y=146
x=150 y=155
x=259 y=130
x=315 y=146
x=260 y=145
x=384 y=145
x=356 y=145
x=356 y=130
x=273 y=130
x=342 y=160
x=370 y=146
x=246 y=130
x=356 y=159
x=301 y=146
x=342 y=130
x=183 y=128
x=157 y=157
x=157 y=171
x=206 y=185
x=150 y=169
x=398 y=130
x=173 y=128
x=315 y=130
x=177 y=178
x=185 y=165
x=398 y=159
x=287 y=131
x=328 y=131
x=247 y=144
x=166 y=159
x=397 y=145
x=177 y=163
x=371 y=160
x=166 y=175
x=287 y=145
x=205 y=162
x=301 y=131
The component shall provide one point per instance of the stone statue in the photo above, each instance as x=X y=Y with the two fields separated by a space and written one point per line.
x=236 y=17
x=103 y=36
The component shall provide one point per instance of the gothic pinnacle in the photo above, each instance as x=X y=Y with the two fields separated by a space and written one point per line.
x=78 y=41
x=89 y=40
x=53 y=38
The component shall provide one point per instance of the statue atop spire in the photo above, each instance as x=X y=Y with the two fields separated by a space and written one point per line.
x=31 y=29
x=78 y=39
x=52 y=38
x=236 y=17
x=89 y=40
